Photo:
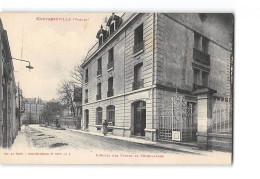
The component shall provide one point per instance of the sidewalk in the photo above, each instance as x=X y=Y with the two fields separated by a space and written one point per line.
x=163 y=145
x=22 y=141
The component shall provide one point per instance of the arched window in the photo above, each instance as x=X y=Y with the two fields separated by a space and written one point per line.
x=99 y=116
x=138 y=77
x=111 y=115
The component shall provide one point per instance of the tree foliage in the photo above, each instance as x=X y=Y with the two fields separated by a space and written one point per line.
x=51 y=111
x=69 y=89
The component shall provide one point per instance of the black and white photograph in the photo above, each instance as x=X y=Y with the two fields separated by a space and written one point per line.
x=117 y=88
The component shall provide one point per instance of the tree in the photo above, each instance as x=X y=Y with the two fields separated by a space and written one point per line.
x=66 y=94
x=51 y=111
x=69 y=89
x=29 y=117
x=77 y=75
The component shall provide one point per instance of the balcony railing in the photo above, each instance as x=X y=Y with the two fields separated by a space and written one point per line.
x=198 y=86
x=86 y=100
x=110 y=93
x=110 y=65
x=201 y=57
x=99 y=72
x=98 y=96
x=138 y=47
x=138 y=84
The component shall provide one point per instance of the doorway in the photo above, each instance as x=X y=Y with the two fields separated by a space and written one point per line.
x=139 y=118
x=87 y=118
x=194 y=120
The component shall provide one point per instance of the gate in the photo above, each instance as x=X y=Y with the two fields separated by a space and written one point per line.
x=221 y=116
x=175 y=119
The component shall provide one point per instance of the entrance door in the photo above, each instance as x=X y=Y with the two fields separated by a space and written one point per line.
x=87 y=118
x=139 y=118
x=194 y=121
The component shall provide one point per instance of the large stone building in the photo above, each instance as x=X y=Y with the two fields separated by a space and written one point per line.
x=33 y=109
x=9 y=121
x=162 y=77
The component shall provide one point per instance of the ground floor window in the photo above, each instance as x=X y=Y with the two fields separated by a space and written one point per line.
x=99 y=116
x=111 y=115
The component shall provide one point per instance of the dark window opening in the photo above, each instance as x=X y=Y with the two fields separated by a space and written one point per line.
x=138 y=77
x=110 y=59
x=196 y=76
x=197 y=38
x=110 y=91
x=86 y=75
x=98 y=91
x=99 y=116
x=200 y=79
x=205 y=79
x=111 y=115
x=100 y=40
x=205 y=45
x=99 y=71
x=86 y=96
x=112 y=28
x=138 y=39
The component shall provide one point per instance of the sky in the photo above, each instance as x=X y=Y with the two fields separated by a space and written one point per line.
x=52 y=47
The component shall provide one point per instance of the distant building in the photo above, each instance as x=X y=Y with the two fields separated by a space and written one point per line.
x=33 y=109
x=9 y=121
x=162 y=76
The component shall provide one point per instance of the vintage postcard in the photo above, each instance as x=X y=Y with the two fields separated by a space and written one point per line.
x=116 y=88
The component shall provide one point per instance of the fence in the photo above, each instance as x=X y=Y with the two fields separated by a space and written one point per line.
x=175 y=119
x=221 y=116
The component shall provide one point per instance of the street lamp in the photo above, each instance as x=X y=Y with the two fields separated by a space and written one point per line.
x=28 y=66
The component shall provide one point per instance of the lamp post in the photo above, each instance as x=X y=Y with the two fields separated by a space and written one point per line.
x=28 y=66
x=19 y=96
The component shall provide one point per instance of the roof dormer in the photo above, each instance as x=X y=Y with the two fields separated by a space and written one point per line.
x=113 y=23
x=102 y=35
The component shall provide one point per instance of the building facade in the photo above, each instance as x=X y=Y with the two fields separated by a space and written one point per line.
x=9 y=120
x=162 y=76
x=33 y=109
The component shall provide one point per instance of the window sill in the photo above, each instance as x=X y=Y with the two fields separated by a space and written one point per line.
x=110 y=69
x=138 y=53
x=99 y=75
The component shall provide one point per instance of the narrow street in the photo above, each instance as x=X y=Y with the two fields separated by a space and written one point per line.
x=71 y=146
x=48 y=138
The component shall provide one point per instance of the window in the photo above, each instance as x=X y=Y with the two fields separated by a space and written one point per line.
x=200 y=79
x=110 y=91
x=100 y=40
x=112 y=27
x=86 y=75
x=86 y=96
x=205 y=45
x=99 y=116
x=197 y=38
x=111 y=115
x=196 y=76
x=99 y=71
x=110 y=59
x=138 y=77
x=87 y=117
x=201 y=43
x=138 y=39
x=98 y=91
x=205 y=78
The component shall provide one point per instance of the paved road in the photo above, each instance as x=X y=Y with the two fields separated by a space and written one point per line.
x=43 y=137
x=86 y=148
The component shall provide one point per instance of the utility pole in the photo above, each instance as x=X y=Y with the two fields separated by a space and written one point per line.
x=19 y=107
